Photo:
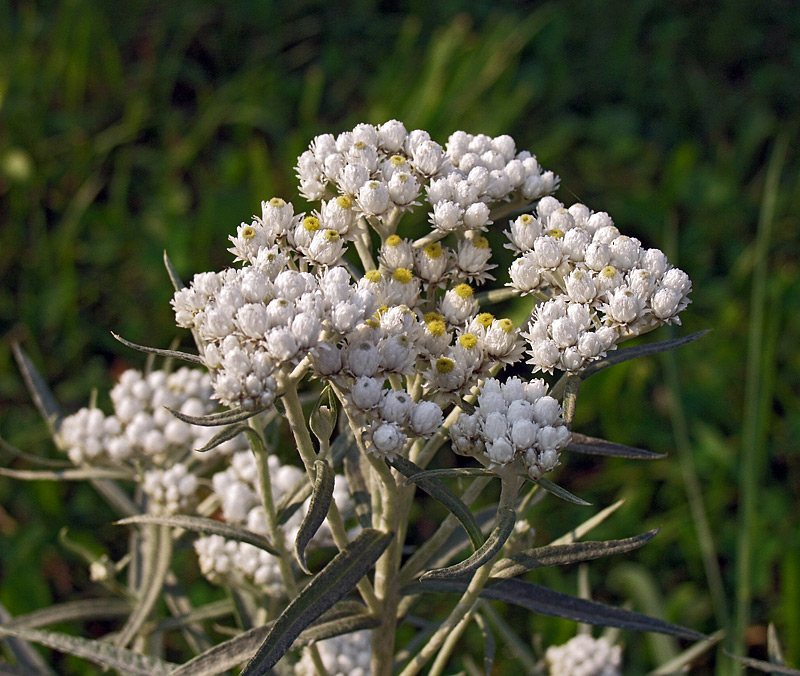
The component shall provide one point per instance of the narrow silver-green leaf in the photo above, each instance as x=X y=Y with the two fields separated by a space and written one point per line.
x=504 y=526
x=293 y=499
x=87 y=609
x=168 y=354
x=35 y=459
x=319 y=631
x=764 y=666
x=37 y=386
x=203 y=525
x=449 y=472
x=25 y=654
x=545 y=601
x=489 y=644
x=156 y=566
x=104 y=654
x=330 y=585
x=774 y=649
x=225 y=434
x=619 y=356
x=592 y=522
x=216 y=419
x=116 y=498
x=210 y=611
x=358 y=488
x=13 y=670
x=177 y=282
x=560 y=492
x=321 y=499
x=438 y=491
x=593 y=446
x=562 y=555
x=74 y=474
x=680 y=663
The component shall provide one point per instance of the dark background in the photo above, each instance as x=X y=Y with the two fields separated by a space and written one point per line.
x=130 y=128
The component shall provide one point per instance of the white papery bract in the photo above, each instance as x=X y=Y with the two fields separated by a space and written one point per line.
x=584 y=656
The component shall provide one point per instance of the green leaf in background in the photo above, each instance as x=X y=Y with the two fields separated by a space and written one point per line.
x=203 y=525
x=592 y=446
x=321 y=499
x=504 y=526
x=104 y=654
x=438 y=491
x=49 y=408
x=562 y=555
x=330 y=585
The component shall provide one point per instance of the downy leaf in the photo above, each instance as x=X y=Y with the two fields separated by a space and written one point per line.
x=167 y=354
x=233 y=652
x=25 y=654
x=321 y=499
x=177 y=282
x=156 y=567
x=489 y=644
x=764 y=666
x=210 y=611
x=358 y=488
x=593 y=446
x=504 y=526
x=203 y=525
x=559 y=492
x=87 y=609
x=545 y=601
x=562 y=555
x=449 y=472
x=225 y=434
x=330 y=585
x=73 y=474
x=40 y=392
x=215 y=419
x=104 y=654
x=438 y=491
x=619 y=356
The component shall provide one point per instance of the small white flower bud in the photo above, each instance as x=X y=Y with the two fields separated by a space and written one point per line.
x=426 y=418
x=366 y=393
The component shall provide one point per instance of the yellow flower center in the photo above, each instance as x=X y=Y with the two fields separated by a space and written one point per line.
x=332 y=235
x=556 y=232
x=480 y=242
x=468 y=340
x=359 y=145
x=402 y=275
x=397 y=160
x=429 y=317
x=485 y=319
x=609 y=271
x=277 y=202
x=311 y=223
x=526 y=219
x=433 y=250
x=464 y=291
x=374 y=276
x=436 y=328
x=506 y=325
x=344 y=201
x=393 y=240
x=445 y=365
x=248 y=232
x=372 y=323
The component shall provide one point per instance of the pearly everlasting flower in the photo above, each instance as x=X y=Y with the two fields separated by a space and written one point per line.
x=458 y=304
x=584 y=656
x=347 y=655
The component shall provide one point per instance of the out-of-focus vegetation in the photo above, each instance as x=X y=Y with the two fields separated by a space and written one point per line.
x=130 y=128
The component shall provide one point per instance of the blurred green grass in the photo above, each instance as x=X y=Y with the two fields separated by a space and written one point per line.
x=129 y=129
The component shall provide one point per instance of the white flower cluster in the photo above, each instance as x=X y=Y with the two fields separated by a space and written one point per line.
x=605 y=287
x=584 y=656
x=346 y=655
x=516 y=428
x=142 y=432
x=225 y=561
x=261 y=319
x=171 y=491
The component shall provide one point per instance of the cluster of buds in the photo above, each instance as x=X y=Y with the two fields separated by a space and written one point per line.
x=516 y=428
x=584 y=656
x=171 y=491
x=347 y=655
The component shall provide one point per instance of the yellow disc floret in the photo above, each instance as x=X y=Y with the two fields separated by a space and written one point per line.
x=277 y=202
x=433 y=250
x=429 y=317
x=402 y=275
x=393 y=240
x=526 y=219
x=332 y=235
x=445 y=365
x=608 y=271
x=397 y=160
x=485 y=319
x=436 y=328
x=506 y=325
x=373 y=276
x=480 y=242
x=344 y=201
x=468 y=340
x=464 y=291
x=248 y=232
x=311 y=223
x=556 y=232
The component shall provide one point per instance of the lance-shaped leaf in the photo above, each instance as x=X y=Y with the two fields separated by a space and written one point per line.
x=216 y=419
x=87 y=609
x=40 y=393
x=156 y=567
x=210 y=611
x=203 y=525
x=72 y=474
x=358 y=488
x=233 y=652
x=504 y=526
x=14 y=670
x=104 y=654
x=545 y=601
x=225 y=434
x=34 y=459
x=28 y=658
x=774 y=649
x=321 y=499
x=489 y=644
x=768 y=667
x=593 y=446
x=559 y=492
x=438 y=491
x=562 y=555
x=449 y=472
x=177 y=282
x=619 y=356
x=167 y=354
x=330 y=585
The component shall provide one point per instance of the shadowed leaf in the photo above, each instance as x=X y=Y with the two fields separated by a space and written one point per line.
x=216 y=419
x=765 y=666
x=560 y=492
x=86 y=609
x=449 y=472
x=40 y=392
x=592 y=446
x=321 y=499
x=167 y=354
x=74 y=474
x=222 y=436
